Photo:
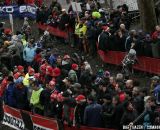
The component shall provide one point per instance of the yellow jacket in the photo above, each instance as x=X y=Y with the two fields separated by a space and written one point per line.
x=35 y=98
x=26 y=80
x=80 y=31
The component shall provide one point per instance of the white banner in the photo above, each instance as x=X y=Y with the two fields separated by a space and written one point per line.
x=13 y=122
x=76 y=7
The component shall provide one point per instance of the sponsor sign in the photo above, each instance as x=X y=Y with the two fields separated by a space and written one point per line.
x=18 y=11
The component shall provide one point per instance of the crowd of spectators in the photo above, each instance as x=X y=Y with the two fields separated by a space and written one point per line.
x=65 y=87
x=112 y=27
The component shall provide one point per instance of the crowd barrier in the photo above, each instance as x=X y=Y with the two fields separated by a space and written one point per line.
x=53 y=31
x=21 y=120
x=146 y=64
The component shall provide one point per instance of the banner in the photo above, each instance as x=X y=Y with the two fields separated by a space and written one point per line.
x=20 y=120
x=54 y=31
x=24 y=120
x=18 y=11
x=76 y=6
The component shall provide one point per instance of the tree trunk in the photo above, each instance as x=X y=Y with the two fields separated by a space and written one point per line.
x=106 y=4
x=147 y=15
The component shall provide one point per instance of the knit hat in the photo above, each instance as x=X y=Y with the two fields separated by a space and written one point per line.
x=122 y=97
x=31 y=71
x=17 y=75
x=19 y=80
x=36 y=75
x=43 y=68
x=105 y=28
x=80 y=98
x=106 y=74
x=66 y=57
x=7 y=31
x=49 y=70
x=20 y=68
x=74 y=66
x=56 y=72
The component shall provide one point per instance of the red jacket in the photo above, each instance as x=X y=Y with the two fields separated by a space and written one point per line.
x=3 y=86
x=156 y=35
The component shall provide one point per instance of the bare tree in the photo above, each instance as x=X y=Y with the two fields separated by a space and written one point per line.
x=147 y=14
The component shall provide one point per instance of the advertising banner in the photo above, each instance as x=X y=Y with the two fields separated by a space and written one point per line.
x=18 y=11
x=21 y=120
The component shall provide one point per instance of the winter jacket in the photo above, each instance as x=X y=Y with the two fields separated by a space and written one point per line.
x=3 y=86
x=35 y=98
x=103 y=41
x=92 y=115
x=26 y=80
x=9 y=95
x=73 y=76
x=107 y=114
x=79 y=113
x=20 y=95
x=80 y=30
x=157 y=93
x=138 y=103
x=64 y=20
x=117 y=115
x=28 y=54
x=128 y=117
x=45 y=101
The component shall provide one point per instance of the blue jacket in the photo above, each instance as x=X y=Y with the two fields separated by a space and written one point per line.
x=92 y=115
x=29 y=53
x=9 y=95
x=20 y=95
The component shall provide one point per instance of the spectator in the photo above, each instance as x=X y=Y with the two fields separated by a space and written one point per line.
x=79 y=110
x=129 y=115
x=138 y=100
x=73 y=74
x=64 y=20
x=103 y=42
x=90 y=119
x=154 y=83
x=9 y=93
x=149 y=116
x=20 y=94
x=35 y=98
x=131 y=40
x=107 y=111
x=118 y=112
x=45 y=99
